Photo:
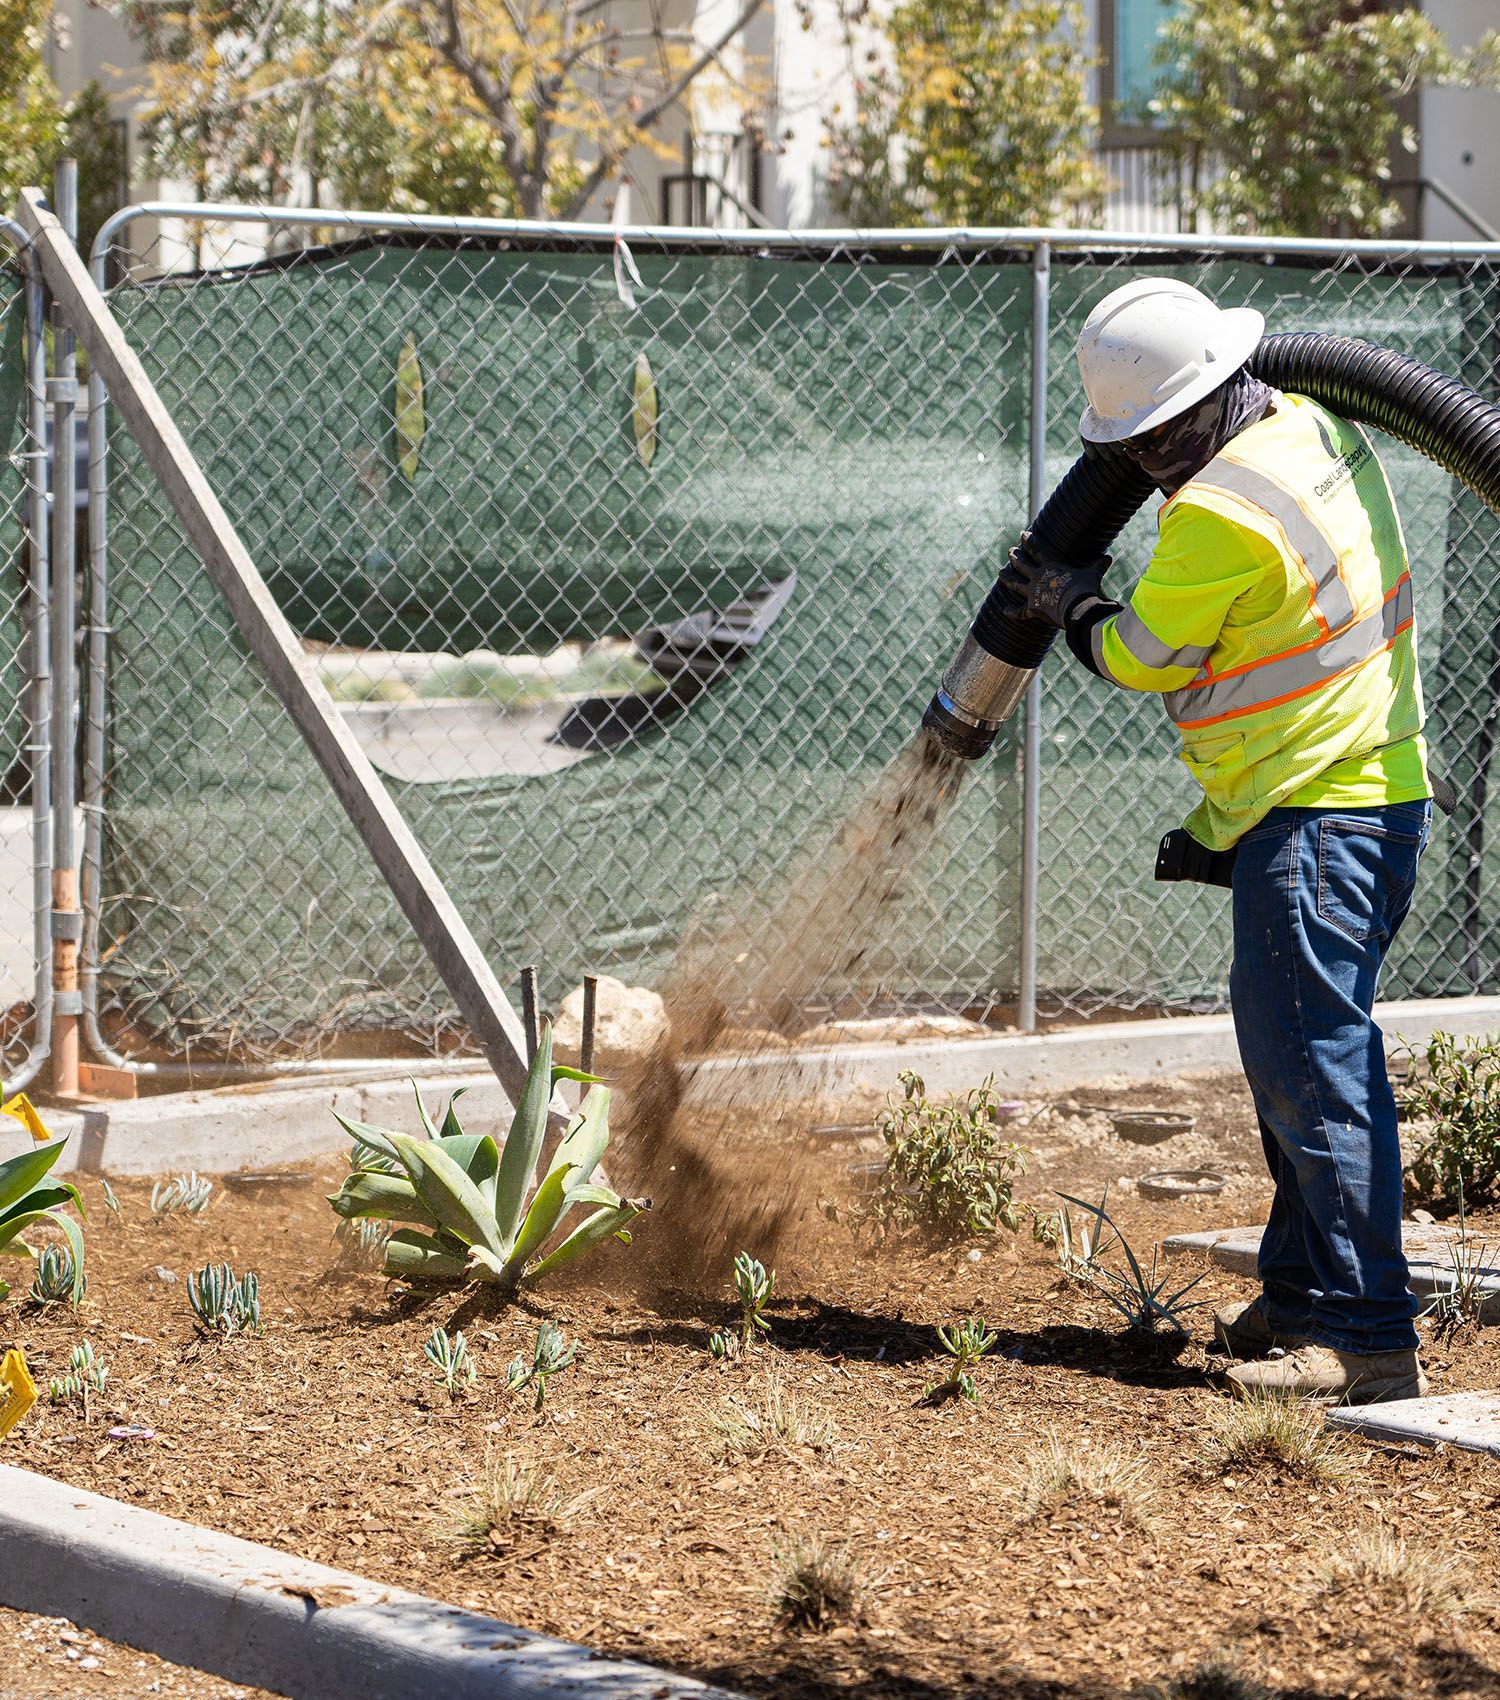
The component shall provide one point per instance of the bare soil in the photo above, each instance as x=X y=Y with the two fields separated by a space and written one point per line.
x=328 y=1437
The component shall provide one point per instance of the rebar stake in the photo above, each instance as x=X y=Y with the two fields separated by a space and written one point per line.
x=528 y=1012
x=586 y=1048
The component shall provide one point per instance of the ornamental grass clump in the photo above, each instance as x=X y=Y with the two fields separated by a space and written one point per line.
x=818 y=1584
x=476 y=1214
x=29 y=1199
x=948 y=1175
x=1266 y=1433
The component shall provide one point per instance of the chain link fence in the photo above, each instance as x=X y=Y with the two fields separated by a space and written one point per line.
x=633 y=559
x=25 y=700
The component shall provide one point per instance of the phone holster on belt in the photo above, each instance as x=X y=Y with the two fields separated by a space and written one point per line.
x=1180 y=856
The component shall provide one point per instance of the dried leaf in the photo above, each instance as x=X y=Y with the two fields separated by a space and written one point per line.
x=643 y=413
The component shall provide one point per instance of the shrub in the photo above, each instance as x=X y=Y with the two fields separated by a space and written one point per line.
x=1459 y=1093
x=55 y=1279
x=85 y=1377
x=505 y=1496
x=966 y=1343
x=550 y=1356
x=28 y=1199
x=449 y=1357
x=222 y=1304
x=478 y=1217
x=753 y=1287
x=948 y=1173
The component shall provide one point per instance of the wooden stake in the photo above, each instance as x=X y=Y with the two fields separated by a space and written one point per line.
x=403 y=864
x=586 y=1049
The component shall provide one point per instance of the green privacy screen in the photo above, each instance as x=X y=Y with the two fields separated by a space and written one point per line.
x=438 y=448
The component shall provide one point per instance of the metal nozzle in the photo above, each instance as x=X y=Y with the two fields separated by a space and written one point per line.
x=979 y=693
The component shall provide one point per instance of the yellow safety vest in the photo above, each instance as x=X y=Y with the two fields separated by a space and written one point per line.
x=1275 y=618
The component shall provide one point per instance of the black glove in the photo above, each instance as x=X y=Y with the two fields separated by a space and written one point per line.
x=1049 y=587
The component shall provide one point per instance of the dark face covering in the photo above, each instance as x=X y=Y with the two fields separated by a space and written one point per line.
x=1192 y=440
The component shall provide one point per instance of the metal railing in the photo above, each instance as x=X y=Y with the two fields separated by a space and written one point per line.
x=967 y=335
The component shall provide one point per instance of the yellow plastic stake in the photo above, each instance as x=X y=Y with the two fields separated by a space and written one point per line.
x=17 y=1390
x=24 y=1111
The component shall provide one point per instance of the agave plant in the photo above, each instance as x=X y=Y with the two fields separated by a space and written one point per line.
x=28 y=1198
x=477 y=1215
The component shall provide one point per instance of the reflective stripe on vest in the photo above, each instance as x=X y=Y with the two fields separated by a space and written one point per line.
x=1280 y=678
x=1145 y=646
x=1333 y=607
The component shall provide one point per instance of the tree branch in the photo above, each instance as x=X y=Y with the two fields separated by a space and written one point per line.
x=610 y=157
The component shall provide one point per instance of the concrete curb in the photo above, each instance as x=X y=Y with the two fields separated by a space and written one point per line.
x=1021 y=1062
x=255 y=1615
x=251 y=1127
x=1470 y=1421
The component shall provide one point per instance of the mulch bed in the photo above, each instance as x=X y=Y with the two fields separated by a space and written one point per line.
x=329 y=1438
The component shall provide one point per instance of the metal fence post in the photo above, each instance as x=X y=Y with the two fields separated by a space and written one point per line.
x=1031 y=750
x=36 y=687
x=66 y=917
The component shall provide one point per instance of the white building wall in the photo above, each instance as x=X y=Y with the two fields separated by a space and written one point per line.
x=1460 y=130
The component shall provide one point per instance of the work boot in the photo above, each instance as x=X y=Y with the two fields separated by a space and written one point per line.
x=1242 y=1331
x=1330 y=1377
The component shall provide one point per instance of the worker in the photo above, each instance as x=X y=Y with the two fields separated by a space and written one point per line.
x=1275 y=621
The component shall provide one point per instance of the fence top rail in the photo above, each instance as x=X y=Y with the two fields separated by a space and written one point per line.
x=15 y=235
x=958 y=238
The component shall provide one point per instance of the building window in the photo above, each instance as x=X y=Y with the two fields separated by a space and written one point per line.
x=1130 y=31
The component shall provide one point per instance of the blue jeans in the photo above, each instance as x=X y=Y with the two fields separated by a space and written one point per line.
x=1319 y=894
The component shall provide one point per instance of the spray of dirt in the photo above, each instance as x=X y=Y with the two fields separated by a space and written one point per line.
x=717 y=1191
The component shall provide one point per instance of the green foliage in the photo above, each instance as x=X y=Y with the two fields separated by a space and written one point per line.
x=966 y=1343
x=550 y=1356
x=1143 y=1298
x=723 y=1346
x=948 y=1174
x=56 y=1280
x=95 y=140
x=362 y=1243
x=449 y=1356
x=224 y=1305
x=970 y=113
x=187 y=1193
x=476 y=1215
x=111 y=1202
x=28 y=1199
x=753 y=1286
x=1298 y=102
x=32 y=122
x=1458 y=1092
x=85 y=1377
x=1459 y=1303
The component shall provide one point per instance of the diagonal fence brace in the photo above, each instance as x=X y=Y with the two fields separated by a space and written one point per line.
x=402 y=862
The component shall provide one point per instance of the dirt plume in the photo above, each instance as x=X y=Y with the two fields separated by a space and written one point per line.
x=716 y=1192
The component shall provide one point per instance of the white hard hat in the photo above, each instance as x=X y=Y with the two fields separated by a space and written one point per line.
x=1154 y=347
